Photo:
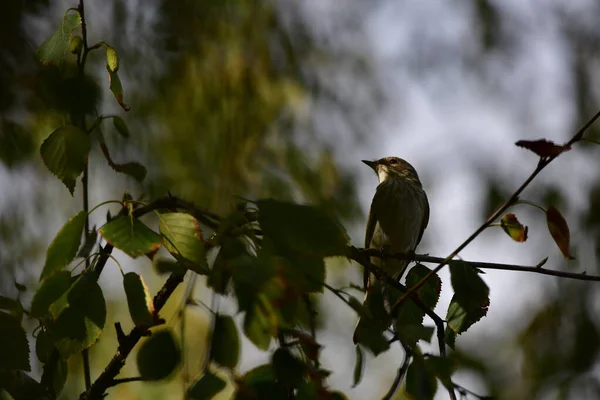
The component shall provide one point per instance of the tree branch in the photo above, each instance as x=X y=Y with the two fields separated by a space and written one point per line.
x=543 y=162
x=128 y=342
x=536 y=269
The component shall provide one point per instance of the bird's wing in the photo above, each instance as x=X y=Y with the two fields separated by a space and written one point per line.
x=371 y=223
x=425 y=221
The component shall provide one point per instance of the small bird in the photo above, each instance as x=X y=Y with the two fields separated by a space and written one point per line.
x=398 y=216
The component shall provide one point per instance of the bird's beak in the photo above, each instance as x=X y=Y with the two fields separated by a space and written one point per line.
x=372 y=164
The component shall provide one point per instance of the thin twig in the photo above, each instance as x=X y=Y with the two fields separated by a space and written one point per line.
x=116 y=382
x=536 y=269
x=464 y=391
x=543 y=162
x=399 y=375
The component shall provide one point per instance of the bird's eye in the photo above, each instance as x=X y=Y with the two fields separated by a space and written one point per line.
x=393 y=161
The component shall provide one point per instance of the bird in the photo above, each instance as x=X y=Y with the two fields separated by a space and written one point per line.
x=398 y=217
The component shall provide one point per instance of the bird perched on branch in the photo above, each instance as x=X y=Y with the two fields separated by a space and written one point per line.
x=398 y=216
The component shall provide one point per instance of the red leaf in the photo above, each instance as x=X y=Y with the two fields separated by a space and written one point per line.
x=543 y=147
x=557 y=225
x=514 y=228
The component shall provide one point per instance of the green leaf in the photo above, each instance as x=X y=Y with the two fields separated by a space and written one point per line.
x=131 y=236
x=470 y=301
x=288 y=369
x=206 y=387
x=13 y=307
x=443 y=368
x=358 y=366
x=21 y=386
x=162 y=266
x=55 y=373
x=117 y=88
x=182 y=237
x=139 y=301
x=261 y=323
x=371 y=337
x=64 y=247
x=65 y=153
x=112 y=59
x=260 y=383
x=159 y=356
x=88 y=244
x=225 y=349
x=420 y=383
x=43 y=346
x=370 y=329
x=411 y=334
x=468 y=286
x=120 y=126
x=51 y=290
x=54 y=49
x=513 y=228
x=461 y=317
x=301 y=229
x=133 y=169
x=429 y=293
x=81 y=316
x=13 y=344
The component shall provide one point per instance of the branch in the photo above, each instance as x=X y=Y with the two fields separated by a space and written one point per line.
x=362 y=257
x=536 y=269
x=543 y=162
x=127 y=343
x=399 y=375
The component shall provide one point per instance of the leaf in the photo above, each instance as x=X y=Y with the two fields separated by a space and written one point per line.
x=55 y=373
x=88 y=244
x=301 y=229
x=13 y=344
x=409 y=317
x=51 y=290
x=513 y=228
x=133 y=169
x=182 y=237
x=206 y=387
x=370 y=329
x=442 y=368
x=468 y=286
x=358 y=366
x=75 y=44
x=43 y=346
x=288 y=369
x=81 y=317
x=54 y=49
x=470 y=301
x=112 y=59
x=21 y=386
x=225 y=349
x=13 y=307
x=260 y=383
x=139 y=301
x=120 y=126
x=461 y=317
x=158 y=356
x=261 y=323
x=559 y=229
x=116 y=88
x=420 y=383
x=131 y=236
x=162 y=266
x=63 y=248
x=65 y=153
x=543 y=147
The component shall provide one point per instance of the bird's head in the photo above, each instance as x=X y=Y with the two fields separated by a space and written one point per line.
x=393 y=168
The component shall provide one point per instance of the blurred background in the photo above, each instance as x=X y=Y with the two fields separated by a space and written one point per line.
x=283 y=99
